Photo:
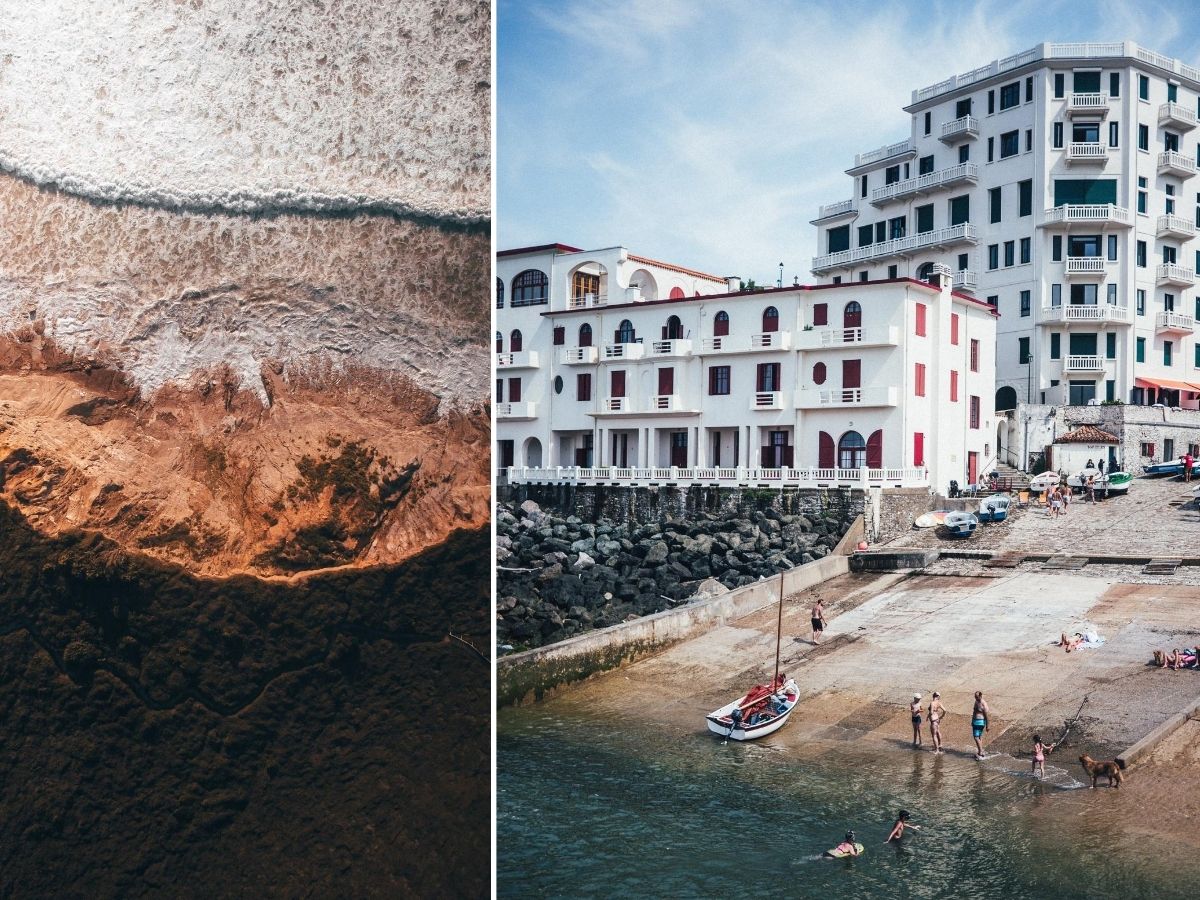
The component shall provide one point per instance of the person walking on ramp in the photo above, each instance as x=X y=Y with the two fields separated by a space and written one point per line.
x=818 y=621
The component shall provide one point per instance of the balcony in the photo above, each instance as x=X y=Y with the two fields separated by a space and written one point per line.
x=725 y=477
x=1180 y=276
x=1083 y=364
x=812 y=398
x=674 y=347
x=964 y=128
x=846 y=209
x=616 y=405
x=964 y=173
x=523 y=359
x=1087 y=153
x=1084 y=314
x=624 y=351
x=767 y=400
x=1174 y=322
x=1085 y=267
x=966 y=281
x=666 y=403
x=833 y=338
x=955 y=235
x=1176 y=227
x=587 y=301
x=1172 y=115
x=1089 y=214
x=1087 y=105
x=579 y=356
x=514 y=412
x=1172 y=162
x=871 y=157
x=747 y=343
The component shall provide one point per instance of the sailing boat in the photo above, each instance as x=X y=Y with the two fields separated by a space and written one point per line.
x=763 y=709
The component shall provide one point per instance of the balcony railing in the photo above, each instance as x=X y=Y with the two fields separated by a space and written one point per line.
x=1176 y=226
x=1084 y=313
x=624 y=351
x=1087 y=214
x=833 y=210
x=1087 y=104
x=1172 y=273
x=960 y=128
x=813 y=398
x=587 y=301
x=579 y=356
x=673 y=347
x=964 y=233
x=615 y=404
x=930 y=181
x=1173 y=321
x=1086 y=266
x=1180 y=116
x=666 y=403
x=965 y=280
x=822 y=338
x=731 y=477
x=771 y=340
x=1086 y=152
x=525 y=409
x=767 y=400
x=522 y=359
x=1083 y=364
x=1175 y=162
x=874 y=156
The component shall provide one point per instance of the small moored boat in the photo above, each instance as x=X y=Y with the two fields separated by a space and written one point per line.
x=994 y=508
x=930 y=519
x=960 y=524
x=752 y=716
x=1174 y=467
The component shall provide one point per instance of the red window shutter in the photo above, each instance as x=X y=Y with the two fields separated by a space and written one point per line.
x=919 y=380
x=974 y=356
x=677 y=293
x=921 y=319
x=954 y=328
x=770 y=322
x=560 y=335
x=666 y=382
x=766 y=456
x=875 y=450
x=819 y=373
x=789 y=456
x=762 y=377
x=499 y=342
x=514 y=341
x=712 y=380
x=618 y=384
x=820 y=314
x=851 y=373
x=721 y=325
x=953 y=386
x=974 y=412
x=583 y=387
x=918 y=448
x=499 y=390
x=826 y=450
x=585 y=337
x=514 y=390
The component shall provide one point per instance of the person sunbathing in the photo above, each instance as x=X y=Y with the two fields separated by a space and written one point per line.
x=1070 y=643
x=1176 y=659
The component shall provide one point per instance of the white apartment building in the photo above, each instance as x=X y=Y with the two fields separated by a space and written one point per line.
x=1059 y=185
x=622 y=369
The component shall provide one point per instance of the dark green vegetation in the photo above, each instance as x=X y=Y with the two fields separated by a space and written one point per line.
x=165 y=735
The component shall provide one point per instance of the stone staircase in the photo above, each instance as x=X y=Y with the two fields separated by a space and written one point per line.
x=1011 y=479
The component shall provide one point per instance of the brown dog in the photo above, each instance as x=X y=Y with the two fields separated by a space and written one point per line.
x=1097 y=769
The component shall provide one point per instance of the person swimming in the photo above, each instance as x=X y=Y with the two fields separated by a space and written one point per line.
x=901 y=823
x=846 y=848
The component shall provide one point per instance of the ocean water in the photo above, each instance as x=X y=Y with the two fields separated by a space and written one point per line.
x=595 y=805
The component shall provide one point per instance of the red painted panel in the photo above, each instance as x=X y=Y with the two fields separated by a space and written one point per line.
x=851 y=373
x=826 y=450
x=875 y=450
x=618 y=383
x=820 y=314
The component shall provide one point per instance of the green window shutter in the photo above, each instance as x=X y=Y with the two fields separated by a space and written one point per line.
x=1055 y=345
x=1110 y=345
x=1082 y=344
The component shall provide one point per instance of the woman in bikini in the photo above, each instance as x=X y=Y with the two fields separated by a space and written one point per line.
x=914 y=709
x=1039 y=756
x=936 y=711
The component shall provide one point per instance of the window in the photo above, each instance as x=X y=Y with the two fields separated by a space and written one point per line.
x=994 y=204
x=962 y=108
x=1172 y=93
x=1060 y=88
x=919 y=328
x=863 y=186
x=1114 y=134
x=820 y=313
x=925 y=165
x=1085 y=132
x=1085 y=82
x=892 y=270
x=1090 y=191
x=1140 y=350
x=1010 y=253
x=1112 y=294
x=721 y=322
x=880 y=232
x=1168 y=254
x=1141 y=302
x=1168 y=443
x=1056 y=248
x=1081 y=393
x=954 y=329
x=625 y=333
x=919 y=380
x=852 y=451
x=1029 y=89
x=1112 y=247
x=963 y=257
x=862 y=276
x=1140 y=254
x=993 y=256
x=1166 y=353
x=1057 y=140
x=993 y=300
x=583 y=387
x=499 y=293
x=1170 y=140
x=1056 y=295
x=991 y=102
x=1143 y=87
x=718 y=380
x=768 y=377
x=924 y=218
x=964 y=153
x=953 y=385
x=1196 y=359
x=960 y=209
x=1114 y=84
x=1055 y=345
x=918 y=448
x=1028 y=140
x=974 y=355
x=974 y=412
x=515 y=341
x=560 y=335
x=1170 y=199
x=1026 y=250
x=530 y=288
x=1147 y=450
x=896 y=227
x=1141 y=195
x=514 y=390
x=1143 y=137
x=1081 y=344
x=1025 y=195
x=499 y=390
x=1010 y=95
x=1110 y=345
x=819 y=373
x=1083 y=295
x=837 y=239
x=928 y=122
x=866 y=235
x=891 y=175
x=1010 y=144
x=770 y=320
x=1025 y=303
x=991 y=149
x=1023 y=350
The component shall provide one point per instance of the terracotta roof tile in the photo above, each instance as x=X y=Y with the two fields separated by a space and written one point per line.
x=1087 y=434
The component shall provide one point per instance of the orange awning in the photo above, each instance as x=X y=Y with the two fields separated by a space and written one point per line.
x=1167 y=383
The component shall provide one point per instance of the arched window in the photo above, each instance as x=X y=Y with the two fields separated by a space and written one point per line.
x=625 y=333
x=770 y=319
x=673 y=330
x=925 y=273
x=530 y=288
x=499 y=293
x=585 y=335
x=852 y=315
x=852 y=451
x=677 y=293
x=499 y=342
x=514 y=341
x=721 y=324
x=819 y=373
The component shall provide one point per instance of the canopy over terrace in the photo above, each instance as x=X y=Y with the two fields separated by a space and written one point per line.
x=1170 y=392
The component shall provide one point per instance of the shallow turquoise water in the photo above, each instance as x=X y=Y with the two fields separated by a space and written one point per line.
x=596 y=806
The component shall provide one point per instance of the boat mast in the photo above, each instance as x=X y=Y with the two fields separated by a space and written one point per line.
x=778 y=631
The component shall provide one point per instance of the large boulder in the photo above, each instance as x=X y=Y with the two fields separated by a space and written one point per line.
x=656 y=552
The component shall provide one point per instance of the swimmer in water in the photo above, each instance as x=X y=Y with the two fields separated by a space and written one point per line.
x=898 y=829
x=846 y=848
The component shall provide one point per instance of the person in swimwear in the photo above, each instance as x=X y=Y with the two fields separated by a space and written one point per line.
x=914 y=710
x=1039 y=756
x=898 y=829
x=818 y=621
x=936 y=711
x=979 y=722
x=1070 y=643
x=845 y=848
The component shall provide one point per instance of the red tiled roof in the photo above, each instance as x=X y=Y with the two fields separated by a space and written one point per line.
x=1087 y=434
x=540 y=248
x=673 y=268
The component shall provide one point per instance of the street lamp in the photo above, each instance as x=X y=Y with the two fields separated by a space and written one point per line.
x=1028 y=403
x=780 y=283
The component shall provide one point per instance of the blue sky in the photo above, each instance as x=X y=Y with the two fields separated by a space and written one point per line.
x=707 y=133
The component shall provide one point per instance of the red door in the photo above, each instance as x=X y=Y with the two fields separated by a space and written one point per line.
x=514 y=390
x=618 y=383
x=852 y=317
x=851 y=379
x=972 y=468
x=679 y=450
x=666 y=382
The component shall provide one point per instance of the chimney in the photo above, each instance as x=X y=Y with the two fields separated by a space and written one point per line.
x=941 y=271
x=733 y=283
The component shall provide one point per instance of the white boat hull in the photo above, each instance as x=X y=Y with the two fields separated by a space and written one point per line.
x=719 y=722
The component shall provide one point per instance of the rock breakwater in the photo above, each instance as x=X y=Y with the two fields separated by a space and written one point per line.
x=560 y=575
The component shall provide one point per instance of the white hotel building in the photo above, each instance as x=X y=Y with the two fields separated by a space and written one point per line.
x=1059 y=185
x=619 y=369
